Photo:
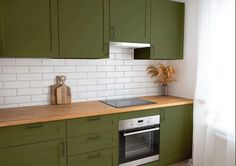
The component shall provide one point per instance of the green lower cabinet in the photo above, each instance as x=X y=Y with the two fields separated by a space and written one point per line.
x=175 y=134
x=106 y=157
x=51 y=153
x=151 y=164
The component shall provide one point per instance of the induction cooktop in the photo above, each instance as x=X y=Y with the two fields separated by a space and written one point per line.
x=127 y=102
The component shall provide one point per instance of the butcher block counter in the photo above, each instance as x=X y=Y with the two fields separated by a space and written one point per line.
x=46 y=113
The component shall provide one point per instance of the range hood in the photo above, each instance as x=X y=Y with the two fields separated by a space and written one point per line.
x=130 y=45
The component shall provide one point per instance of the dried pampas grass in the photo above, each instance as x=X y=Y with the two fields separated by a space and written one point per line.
x=164 y=74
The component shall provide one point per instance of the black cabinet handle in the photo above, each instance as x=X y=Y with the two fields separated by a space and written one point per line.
x=94 y=155
x=163 y=115
x=93 y=137
x=93 y=118
x=112 y=28
x=62 y=148
x=153 y=51
x=33 y=126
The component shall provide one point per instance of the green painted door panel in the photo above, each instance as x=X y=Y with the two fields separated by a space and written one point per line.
x=100 y=158
x=84 y=28
x=41 y=154
x=156 y=163
x=167 y=27
x=31 y=133
x=95 y=124
x=139 y=113
x=175 y=134
x=28 y=28
x=130 y=20
x=91 y=142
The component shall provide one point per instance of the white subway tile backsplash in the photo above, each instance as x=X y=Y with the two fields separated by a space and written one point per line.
x=115 y=62
x=41 y=84
x=29 y=62
x=16 y=84
x=7 y=92
x=123 y=92
x=73 y=75
x=75 y=62
x=15 y=69
x=40 y=98
x=7 y=61
x=17 y=99
x=115 y=74
x=106 y=93
x=64 y=69
x=106 y=68
x=86 y=68
x=96 y=87
x=96 y=75
x=115 y=86
x=87 y=82
x=30 y=91
x=7 y=77
x=96 y=62
x=49 y=62
x=41 y=69
x=26 y=82
x=123 y=68
x=23 y=77
x=105 y=81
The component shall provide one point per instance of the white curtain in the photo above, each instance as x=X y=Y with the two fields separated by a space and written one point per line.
x=214 y=105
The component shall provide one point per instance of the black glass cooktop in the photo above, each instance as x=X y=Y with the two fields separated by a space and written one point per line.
x=119 y=103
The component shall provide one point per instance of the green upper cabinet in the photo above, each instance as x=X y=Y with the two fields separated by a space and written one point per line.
x=175 y=134
x=167 y=31
x=130 y=21
x=28 y=28
x=84 y=28
x=41 y=154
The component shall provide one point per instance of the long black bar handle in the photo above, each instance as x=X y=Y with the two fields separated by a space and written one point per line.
x=63 y=148
x=112 y=29
x=163 y=115
x=33 y=126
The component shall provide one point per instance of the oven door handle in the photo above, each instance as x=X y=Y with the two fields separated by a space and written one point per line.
x=142 y=131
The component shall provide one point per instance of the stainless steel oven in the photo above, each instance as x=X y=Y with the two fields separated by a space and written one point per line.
x=139 y=140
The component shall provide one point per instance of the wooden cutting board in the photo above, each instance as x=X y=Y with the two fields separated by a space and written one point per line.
x=63 y=94
x=53 y=91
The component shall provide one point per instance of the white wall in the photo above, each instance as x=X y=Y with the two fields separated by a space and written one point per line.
x=26 y=82
x=187 y=68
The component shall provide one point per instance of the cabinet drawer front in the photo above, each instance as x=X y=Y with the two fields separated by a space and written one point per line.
x=89 y=125
x=49 y=153
x=30 y=133
x=92 y=142
x=100 y=158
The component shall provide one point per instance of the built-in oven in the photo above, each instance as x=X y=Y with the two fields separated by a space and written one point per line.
x=139 y=140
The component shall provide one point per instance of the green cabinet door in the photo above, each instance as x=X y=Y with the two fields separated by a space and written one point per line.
x=108 y=157
x=41 y=154
x=167 y=26
x=130 y=21
x=84 y=28
x=175 y=134
x=167 y=31
x=28 y=28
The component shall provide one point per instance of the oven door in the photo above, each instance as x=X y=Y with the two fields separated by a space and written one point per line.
x=139 y=146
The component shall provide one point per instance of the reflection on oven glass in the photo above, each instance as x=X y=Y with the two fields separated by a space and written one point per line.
x=140 y=144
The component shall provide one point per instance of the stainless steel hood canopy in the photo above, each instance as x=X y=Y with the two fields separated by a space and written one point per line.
x=130 y=45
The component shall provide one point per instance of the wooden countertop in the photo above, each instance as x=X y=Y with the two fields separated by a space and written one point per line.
x=35 y=114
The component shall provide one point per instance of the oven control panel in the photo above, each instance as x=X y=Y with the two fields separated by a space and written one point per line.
x=139 y=122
